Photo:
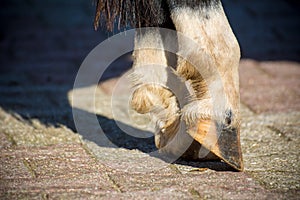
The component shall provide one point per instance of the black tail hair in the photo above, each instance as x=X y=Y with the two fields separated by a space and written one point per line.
x=136 y=13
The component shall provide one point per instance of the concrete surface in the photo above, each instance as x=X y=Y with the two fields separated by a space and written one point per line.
x=42 y=156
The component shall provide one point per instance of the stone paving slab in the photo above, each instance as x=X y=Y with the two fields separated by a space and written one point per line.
x=270 y=156
x=265 y=89
x=208 y=184
x=21 y=132
x=51 y=169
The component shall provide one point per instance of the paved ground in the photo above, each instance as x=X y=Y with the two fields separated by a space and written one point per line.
x=42 y=44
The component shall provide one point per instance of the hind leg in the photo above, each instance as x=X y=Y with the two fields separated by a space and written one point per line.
x=150 y=77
